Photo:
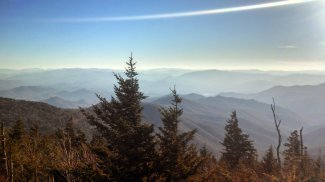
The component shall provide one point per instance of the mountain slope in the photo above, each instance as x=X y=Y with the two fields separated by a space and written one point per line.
x=49 y=117
x=73 y=98
x=308 y=100
x=209 y=115
x=62 y=103
x=32 y=93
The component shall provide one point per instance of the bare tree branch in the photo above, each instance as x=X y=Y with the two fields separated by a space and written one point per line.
x=277 y=123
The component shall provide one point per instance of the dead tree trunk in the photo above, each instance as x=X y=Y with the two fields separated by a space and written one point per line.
x=3 y=154
x=301 y=142
x=277 y=123
x=11 y=164
x=302 y=158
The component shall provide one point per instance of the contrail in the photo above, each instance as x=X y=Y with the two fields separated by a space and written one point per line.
x=181 y=14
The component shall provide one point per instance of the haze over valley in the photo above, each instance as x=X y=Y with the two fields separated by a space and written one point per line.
x=207 y=104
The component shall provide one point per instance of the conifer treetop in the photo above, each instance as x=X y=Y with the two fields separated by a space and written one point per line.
x=130 y=69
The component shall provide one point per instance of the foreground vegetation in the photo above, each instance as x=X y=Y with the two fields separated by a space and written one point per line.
x=125 y=148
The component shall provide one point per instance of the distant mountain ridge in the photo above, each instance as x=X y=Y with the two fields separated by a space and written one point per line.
x=61 y=103
x=308 y=100
x=156 y=82
x=68 y=99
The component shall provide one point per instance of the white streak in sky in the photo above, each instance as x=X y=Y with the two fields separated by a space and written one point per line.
x=181 y=14
x=287 y=47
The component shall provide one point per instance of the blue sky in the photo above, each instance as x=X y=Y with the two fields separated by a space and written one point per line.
x=289 y=37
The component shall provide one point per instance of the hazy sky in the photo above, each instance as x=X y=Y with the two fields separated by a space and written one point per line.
x=86 y=33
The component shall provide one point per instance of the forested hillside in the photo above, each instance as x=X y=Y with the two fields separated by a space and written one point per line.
x=207 y=115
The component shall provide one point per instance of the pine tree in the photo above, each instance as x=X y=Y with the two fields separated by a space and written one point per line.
x=269 y=162
x=17 y=136
x=178 y=159
x=237 y=146
x=130 y=140
x=98 y=147
x=77 y=137
x=293 y=149
x=292 y=156
x=17 y=131
x=318 y=167
x=208 y=168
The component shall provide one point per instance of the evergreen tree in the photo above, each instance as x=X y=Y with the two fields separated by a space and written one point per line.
x=98 y=147
x=178 y=159
x=77 y=137
x=292 y=148
x=17 y=157
x=208 y=168
x=318 y=167
x=292 y=156
x=269 y=162
x=17 y=131
x=237 y=146
x=130 y=140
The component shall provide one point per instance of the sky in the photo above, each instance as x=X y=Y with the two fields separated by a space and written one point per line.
x=103 y=33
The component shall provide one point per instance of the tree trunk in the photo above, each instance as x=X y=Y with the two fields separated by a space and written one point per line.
x=277 y=123
x=302 y=158
x=11 y=167
x=3 y=154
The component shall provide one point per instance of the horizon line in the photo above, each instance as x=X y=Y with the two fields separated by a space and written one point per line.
x=157 y=68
